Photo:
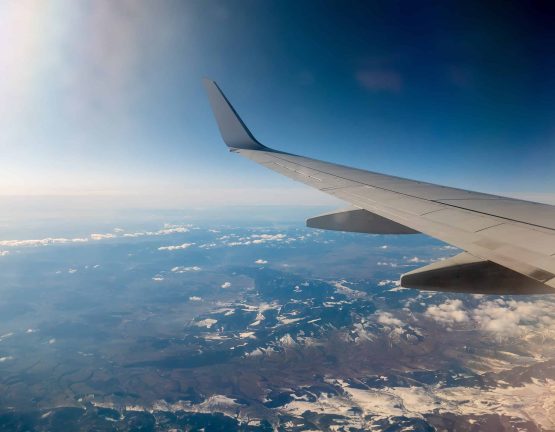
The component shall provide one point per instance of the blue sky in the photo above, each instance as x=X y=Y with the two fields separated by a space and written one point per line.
x=104 y=99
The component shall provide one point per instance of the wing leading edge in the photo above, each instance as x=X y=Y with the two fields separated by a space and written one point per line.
x=509 y=243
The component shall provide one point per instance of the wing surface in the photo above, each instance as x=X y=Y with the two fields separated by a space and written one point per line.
x=514 y=234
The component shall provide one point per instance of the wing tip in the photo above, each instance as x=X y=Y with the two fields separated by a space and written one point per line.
x=234 y=132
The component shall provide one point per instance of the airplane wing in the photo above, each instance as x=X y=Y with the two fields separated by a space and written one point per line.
x=508 y=244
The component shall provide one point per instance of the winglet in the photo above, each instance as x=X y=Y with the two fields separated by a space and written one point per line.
x=234 y=132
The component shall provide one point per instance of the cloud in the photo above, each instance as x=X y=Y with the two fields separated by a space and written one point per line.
x=102 y=236
x=6 y=336
x=263 y=238
x=380 y=80
x=182 y=269
x=386 y=282
x=6 y=358
x=387 y=319
x=236 y=243
x=416 y=260
x=448 y=247
x=72 y=270
x=157 y=278
x=168 y=229
x=176 y=247
x=510 y=318
x=195 y=298
x=226 y=285
x=501 y=318
x=449 y=312
x=255 y=239
x=208 y=322
x=389 y=264
x=4 y=253
x=261 y=261
x=41 y=242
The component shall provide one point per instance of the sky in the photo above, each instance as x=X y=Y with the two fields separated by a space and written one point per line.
x=102 y=100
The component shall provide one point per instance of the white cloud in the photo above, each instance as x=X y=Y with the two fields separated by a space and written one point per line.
x=157 y=278
x=386 y=282
x=168 y=229
x=261 y=261
x=415 y=260
x=102 y=236
x=388 y=264
x=449 y=312
x=510 y=318
x=183 y=269
x=41 y=242
x=208 y=322
x=255 y=239
x=226 y=285
x=387 y=319
x=238 y=243
x=72 y=271
x=6 y=358
x=195 y=298
x=6 y=336
x=263 y=238
x=176 y=247
x=4 y=253
x=501 y=318
x=173 y=229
